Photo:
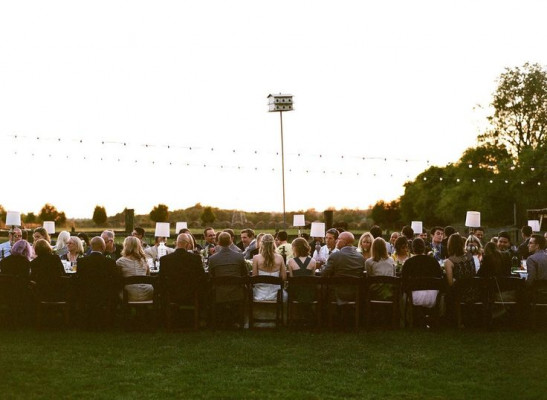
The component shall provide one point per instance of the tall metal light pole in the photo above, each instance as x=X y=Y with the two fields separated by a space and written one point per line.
x=280 y=103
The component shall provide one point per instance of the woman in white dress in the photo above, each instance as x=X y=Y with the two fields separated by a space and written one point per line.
x=268 y=262
x=133 y=262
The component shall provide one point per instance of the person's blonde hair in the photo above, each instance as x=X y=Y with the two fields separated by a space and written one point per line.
x=379 y=249
x=62 y=240
x=79 y=243
x=267 y=250
x=366 y=234
x=132 y=248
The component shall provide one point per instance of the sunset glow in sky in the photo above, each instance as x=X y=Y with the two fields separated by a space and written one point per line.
x=135 y=103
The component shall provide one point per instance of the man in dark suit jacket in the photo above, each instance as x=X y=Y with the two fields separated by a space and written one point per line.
x=96 y=277
x=346 y=262
x=227 y=262
x=181 y=272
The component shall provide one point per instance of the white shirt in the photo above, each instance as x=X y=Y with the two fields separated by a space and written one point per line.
x=323 y=254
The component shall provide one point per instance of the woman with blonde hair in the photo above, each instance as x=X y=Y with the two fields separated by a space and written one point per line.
x=133 y=263
x=365 y=245
x=380 y=264
x=75 y=248
x=60 y=246
x=267 y=262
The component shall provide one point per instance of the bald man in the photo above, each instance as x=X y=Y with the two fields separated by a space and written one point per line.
x=347 y=261
x=181 y=272
x=96 y=283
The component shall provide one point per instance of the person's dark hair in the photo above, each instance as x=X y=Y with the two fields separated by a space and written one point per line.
x=455 y=245
x=526 y=230
x=400 y=243
x=376 y=231
x=307 y=235
x=249 y=232
x=207 y=229
x=231 y=232
x=491 y=248
x=42 y=231
x=408 y=232
x=435 y=229
x=140 y=231
x=379 y=249
x=332 y=231
x=84 y=238
x=282 y=236
x=301 y=247
x=505 y=235
x=42 y=247
x=418 y=246
x=540 y=240
x=449 y=230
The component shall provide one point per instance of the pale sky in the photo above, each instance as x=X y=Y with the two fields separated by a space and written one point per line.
x=386 y=81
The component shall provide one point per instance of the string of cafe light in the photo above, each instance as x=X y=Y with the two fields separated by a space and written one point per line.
x=256 y=152
x=482 y=180
x=222 y=166
x=239 y=153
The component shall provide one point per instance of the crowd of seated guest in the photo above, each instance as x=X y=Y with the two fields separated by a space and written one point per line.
x=465 y=257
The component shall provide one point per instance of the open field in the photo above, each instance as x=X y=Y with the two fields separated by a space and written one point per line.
x=267 y=364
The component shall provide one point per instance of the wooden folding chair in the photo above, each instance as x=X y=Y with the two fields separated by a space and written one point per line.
x=226 y=288
x=145 y=305
x=479 y=286
x=305 y=292
x=277 y=302
x=426 y=283
x=392 y=303
x=343 y=292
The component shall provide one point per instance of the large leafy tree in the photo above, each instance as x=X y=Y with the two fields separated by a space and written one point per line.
x=520 y=109
x=99 y=215
x=207 y=216
x=159 y=213
x=49 y=213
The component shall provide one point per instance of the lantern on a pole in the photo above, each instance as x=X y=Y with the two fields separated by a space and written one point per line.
x=280 y=103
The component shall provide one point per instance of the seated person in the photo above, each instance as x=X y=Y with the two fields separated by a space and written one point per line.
x=45 y=270
x=301 y=265
x=267 y=262
x=421 y=266
x=133 y=263
x=380 y=264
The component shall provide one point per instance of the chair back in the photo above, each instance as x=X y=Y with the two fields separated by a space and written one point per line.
x=54 y=290
x=477 y=285
x=138 y=280
x=228 y=288
x=304 y=288
x=425 y=283
x=393 y=282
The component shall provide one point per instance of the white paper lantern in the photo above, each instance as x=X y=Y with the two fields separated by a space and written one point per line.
x=162 y=229
x=473 y=219
x=298 y=220
x=317 y=229
x=49 y=226
x=417 y=227
x=13 y=218
x=533 y=223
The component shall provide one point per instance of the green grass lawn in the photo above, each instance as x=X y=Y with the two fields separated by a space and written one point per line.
x=267 y=364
